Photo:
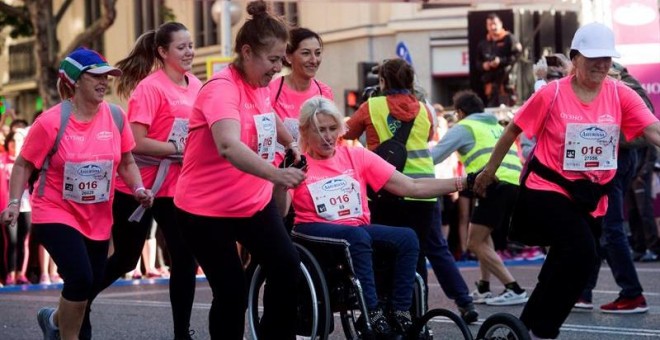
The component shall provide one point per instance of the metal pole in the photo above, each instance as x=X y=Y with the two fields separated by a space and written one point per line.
x=226 y=28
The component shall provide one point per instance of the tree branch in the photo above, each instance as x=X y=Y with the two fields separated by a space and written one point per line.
x=95 y=30
x=15 y=11
x=61 y=11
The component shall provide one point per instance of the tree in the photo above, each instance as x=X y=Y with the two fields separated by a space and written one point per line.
x=38 y=18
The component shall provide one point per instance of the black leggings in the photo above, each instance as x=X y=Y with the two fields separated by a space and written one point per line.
x=213 y=241
x=128 y=240
x=80 y=261
x=16 y=239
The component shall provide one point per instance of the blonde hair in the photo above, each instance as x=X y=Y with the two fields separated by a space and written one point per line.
x=308 y=120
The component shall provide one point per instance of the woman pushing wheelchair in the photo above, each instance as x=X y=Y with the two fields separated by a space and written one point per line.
x=332 y=203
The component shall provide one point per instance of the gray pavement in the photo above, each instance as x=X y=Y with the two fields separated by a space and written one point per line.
x=141 y=310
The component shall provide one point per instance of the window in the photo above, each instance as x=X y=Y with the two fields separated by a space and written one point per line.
x=92 y=13
x=206 y=30
x=22 y=65
x=149 y=14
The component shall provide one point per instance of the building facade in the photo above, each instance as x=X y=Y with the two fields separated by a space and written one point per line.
x=435 y=33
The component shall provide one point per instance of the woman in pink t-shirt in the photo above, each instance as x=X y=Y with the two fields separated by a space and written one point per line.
x=332 y=202
x=72 y=201
x=304 y=54
x=577 y=121
x=161 y=90
x=224 y=193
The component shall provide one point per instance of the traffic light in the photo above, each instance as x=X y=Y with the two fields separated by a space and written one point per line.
x=351 y=101
x=366 y=77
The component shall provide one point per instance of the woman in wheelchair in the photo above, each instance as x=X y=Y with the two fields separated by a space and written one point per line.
x=332 y=203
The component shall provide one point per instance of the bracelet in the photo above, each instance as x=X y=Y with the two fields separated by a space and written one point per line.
x=177 y=150
x=14 y=201
x=138 y=189
x=292 y=145
x=459 y=183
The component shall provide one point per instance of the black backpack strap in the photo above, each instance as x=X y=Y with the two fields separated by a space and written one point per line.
x=317 y=85
x=403 y=132
x=65 y=114
x=279 y=89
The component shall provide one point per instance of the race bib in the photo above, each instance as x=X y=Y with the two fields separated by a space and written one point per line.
x=179 y=132
x=87 y=182
x=266 y=135
x=336 y=198
x=590 y=147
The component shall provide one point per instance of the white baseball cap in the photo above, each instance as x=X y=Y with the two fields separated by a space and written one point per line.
x=595 y=40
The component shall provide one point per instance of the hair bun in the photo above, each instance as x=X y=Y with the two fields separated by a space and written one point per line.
x=257 y=8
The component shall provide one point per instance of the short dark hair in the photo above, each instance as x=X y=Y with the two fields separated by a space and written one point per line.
x=397 y=74
x=17 y=122
x=492 y=16
x=468 y=102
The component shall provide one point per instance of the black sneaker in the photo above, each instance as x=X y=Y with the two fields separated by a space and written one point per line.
x=186 y=336
x=468 y=313
x=379 y=323
x=401 y=321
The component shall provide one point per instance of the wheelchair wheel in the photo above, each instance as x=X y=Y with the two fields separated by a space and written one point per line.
x=314 y=317
x=503 y=326
x=417 y=331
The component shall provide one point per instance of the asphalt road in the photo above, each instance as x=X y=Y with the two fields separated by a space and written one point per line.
x=141 y=309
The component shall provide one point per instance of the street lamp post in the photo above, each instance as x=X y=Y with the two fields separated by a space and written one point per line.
x=225 y=14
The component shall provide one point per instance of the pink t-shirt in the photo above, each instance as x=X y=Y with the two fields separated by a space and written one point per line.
x=364 y=166
x=289 y=102
x=625 y=109
x=96 y=141
x=209 y=184
x=158 y=104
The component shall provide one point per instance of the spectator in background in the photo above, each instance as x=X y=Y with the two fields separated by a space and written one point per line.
x=473 y=137
x=496 y=55
x=639 y=196
x=380 y=117
x=15 y=237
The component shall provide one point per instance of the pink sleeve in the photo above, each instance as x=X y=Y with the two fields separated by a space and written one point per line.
x=38 y=143
x=219 y=100
x=635 y=115
x=375 y=170
x=143 y=104
x=127 y=140
x=532 y=115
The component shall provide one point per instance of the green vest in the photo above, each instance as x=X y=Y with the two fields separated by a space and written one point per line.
x=419 y=163
x=485 y=137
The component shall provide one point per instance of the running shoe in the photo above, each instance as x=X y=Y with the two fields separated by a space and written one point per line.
x=43 y=317
x=624 y=305
x=481 y=297
x=508 y=298
x=401 y=321
x=583 y=305
x=533 y=254
x=469 y=313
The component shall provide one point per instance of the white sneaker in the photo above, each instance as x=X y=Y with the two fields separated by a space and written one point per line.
x=481 y=298
x=508 y=298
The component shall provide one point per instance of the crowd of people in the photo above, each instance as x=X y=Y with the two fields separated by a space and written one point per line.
x=201 y=160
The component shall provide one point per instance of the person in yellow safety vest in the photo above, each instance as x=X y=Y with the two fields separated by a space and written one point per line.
x=474 y=137
x=380 y=117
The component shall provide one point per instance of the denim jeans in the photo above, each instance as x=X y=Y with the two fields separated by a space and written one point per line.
x=425 y=219
x=362 y=240
x=614 y=245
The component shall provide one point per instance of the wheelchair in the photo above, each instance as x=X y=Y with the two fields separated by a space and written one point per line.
x=329 y=286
